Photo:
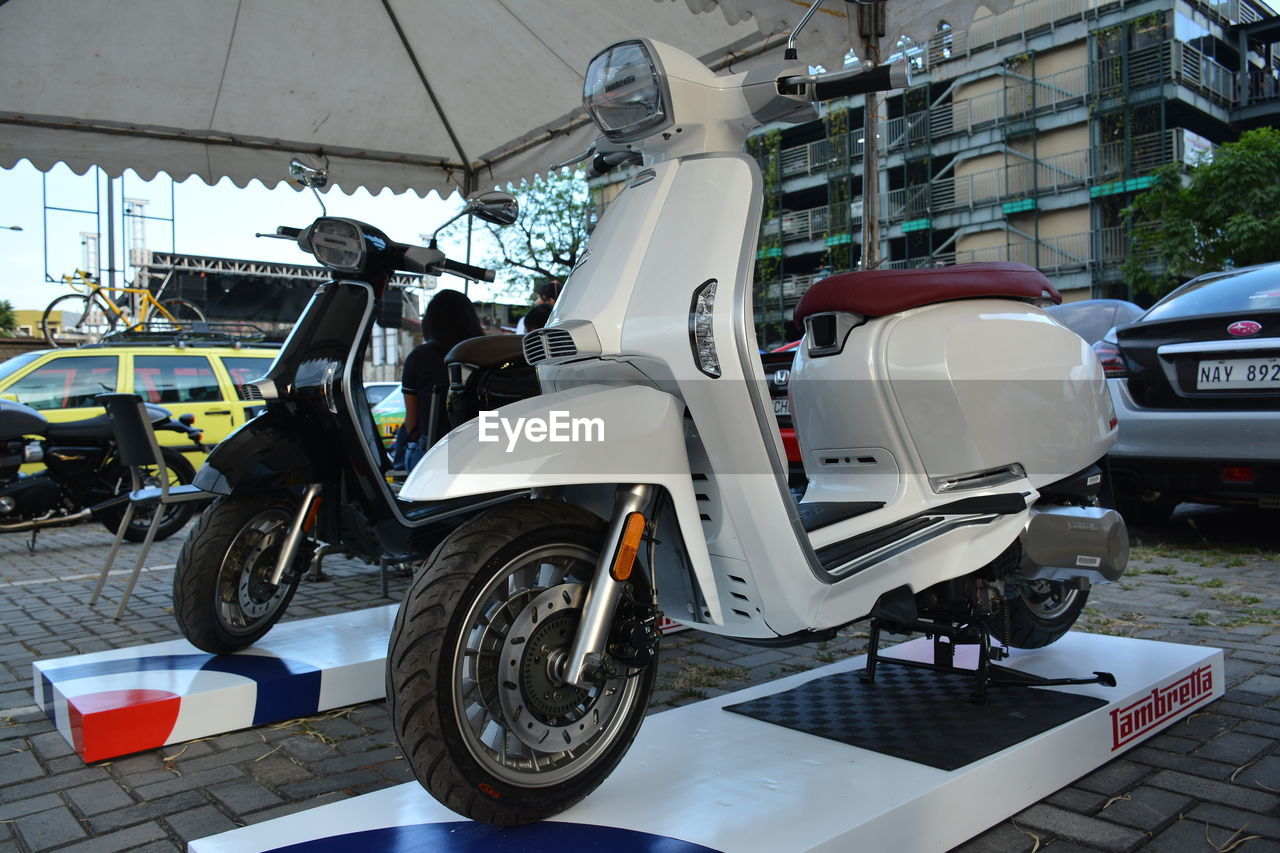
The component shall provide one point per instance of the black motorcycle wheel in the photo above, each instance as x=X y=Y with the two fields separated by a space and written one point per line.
x=117 y=481
x=483 y=725
x=221 y=595
x=1041 y=614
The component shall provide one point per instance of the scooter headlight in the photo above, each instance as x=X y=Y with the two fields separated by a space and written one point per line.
x=701 y=335
x=338 y=244
x=625 y=92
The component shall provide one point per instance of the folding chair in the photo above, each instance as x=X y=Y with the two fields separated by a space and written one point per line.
x=137 y=448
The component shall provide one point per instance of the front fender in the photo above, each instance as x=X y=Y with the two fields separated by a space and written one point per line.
x=590 y=435
x=270 y=450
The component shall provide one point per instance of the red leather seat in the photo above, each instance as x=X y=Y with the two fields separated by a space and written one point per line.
x=875 y=293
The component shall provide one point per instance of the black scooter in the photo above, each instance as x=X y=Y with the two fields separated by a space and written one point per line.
x=311 y=468
x=83 y=480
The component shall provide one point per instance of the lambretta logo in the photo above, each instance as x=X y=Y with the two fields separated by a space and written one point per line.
x=1160 y=705
x=557 y=427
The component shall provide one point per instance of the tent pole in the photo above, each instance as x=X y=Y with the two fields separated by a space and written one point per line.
x=111 y=233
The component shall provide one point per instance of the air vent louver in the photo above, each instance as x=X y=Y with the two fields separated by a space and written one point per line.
x=543 y=344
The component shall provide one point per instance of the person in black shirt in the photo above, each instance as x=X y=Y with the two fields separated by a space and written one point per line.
x=450 y=318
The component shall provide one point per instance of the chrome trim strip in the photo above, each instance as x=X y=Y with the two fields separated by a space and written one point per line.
x=944 y=525
x=1230 y=345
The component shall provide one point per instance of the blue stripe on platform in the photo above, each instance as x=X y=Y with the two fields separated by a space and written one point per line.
x=286 y=688
x=469 y=837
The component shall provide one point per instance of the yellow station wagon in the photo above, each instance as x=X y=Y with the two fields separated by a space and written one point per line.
x=210 y=382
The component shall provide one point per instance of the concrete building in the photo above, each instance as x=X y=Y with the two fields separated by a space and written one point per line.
x=1021 y=139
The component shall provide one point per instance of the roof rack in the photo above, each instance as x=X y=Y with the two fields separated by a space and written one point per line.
x=193 y=333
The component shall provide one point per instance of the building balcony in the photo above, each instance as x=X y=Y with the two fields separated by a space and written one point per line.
x=1038 y=16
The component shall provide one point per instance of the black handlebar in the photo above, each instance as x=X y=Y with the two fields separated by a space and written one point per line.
x=286 y=231
x=843 y=84
x=468 y=271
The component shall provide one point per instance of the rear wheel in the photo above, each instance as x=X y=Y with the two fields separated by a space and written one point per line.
x=116 y=480
x=184 y=314
x=475 y=703
x=222 y=595
x=76 y=319
x=1041 y=613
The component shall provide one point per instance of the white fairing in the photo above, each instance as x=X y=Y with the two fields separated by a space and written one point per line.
x=945 y=391
x=938 y=391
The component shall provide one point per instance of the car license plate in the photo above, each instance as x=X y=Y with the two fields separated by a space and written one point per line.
x=1232 y=374
x=782 y=407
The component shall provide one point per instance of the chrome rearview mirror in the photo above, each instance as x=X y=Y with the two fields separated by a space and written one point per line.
x=493 y=206
x=311 y=177
x=490 y=205
x=308 y=176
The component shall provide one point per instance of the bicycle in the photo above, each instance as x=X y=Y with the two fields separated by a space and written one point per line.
x=98 y=314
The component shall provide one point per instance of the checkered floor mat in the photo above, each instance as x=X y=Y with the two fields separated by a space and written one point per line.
x=916 y=714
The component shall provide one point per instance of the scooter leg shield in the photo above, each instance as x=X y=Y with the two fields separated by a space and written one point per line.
x=588 y=435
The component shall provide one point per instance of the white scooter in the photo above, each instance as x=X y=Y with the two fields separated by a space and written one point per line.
x=951 y=433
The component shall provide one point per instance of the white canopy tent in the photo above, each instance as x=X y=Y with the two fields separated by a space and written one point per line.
x=407 y=94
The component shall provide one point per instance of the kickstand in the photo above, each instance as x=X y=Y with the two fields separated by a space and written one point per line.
x=31 y=546
x=987 y=674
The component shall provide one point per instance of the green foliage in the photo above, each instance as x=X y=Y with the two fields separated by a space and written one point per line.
x=1224 y=213
x=550 y=234
x=8 y=321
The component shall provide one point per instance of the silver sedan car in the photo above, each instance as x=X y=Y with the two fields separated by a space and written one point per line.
x=1196 y=386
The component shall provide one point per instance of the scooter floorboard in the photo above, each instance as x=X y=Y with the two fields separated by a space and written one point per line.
x=115 y=702
x=700 y=777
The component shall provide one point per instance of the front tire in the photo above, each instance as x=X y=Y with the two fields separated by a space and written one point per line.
x=221 y=597
x=483 y=723
x=93 y=321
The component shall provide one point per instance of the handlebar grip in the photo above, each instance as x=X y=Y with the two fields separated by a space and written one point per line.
x=286 y=231
x=468 y=271
x=843 y=84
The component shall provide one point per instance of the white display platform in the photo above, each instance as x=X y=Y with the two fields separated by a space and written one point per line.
x=700 y=777
x=119 y=701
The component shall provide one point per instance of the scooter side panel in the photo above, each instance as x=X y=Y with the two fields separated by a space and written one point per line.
x=582 y=436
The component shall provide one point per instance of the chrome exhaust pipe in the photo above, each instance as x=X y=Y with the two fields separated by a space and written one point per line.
x=41 y=523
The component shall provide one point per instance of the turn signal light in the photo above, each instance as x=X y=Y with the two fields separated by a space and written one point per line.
x=1112 y=361
x=625 y=559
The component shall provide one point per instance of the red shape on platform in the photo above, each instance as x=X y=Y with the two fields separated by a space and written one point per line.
x=117 y=722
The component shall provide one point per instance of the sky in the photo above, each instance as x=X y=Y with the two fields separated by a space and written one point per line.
x=216 y=220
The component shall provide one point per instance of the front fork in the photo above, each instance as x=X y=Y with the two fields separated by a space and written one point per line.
x=587 y=652
x=289 y=549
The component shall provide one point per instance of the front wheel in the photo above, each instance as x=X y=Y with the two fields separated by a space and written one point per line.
x=476 y=706
x=75 y=316
x=222 y=596
x=1040 y=614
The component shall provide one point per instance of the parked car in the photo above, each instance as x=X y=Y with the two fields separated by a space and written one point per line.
x=210 y=382
x=1196 y=387
x=376 y=392
x=1091 y=319
x=388 y=414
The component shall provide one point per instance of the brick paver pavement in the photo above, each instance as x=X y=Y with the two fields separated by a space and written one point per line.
x=1211 y=782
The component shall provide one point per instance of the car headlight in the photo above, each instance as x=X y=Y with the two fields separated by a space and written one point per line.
x=625 y=92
